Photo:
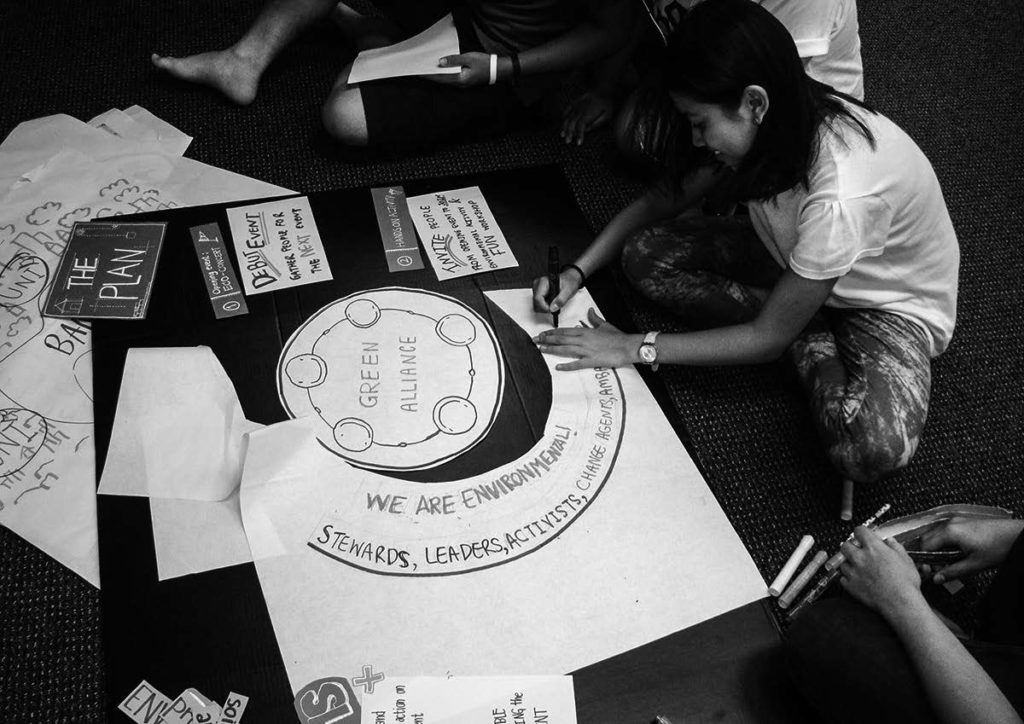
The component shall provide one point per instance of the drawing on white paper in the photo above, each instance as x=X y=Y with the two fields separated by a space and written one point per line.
x=587 y=539
x=46 y=423
x=55 y=171
x=399 y=379
x=394 y=527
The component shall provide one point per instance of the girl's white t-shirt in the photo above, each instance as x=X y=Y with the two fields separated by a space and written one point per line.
x=876 y=219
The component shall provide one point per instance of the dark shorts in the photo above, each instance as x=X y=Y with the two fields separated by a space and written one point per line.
x=413 y=112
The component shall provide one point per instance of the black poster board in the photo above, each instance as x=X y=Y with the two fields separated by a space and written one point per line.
x=212 y=630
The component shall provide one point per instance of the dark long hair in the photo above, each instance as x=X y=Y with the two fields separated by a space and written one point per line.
x=724 y=46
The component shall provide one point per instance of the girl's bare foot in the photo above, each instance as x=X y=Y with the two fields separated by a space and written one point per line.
x=233 y=75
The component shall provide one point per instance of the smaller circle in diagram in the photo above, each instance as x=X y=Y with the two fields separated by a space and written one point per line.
x=454 y=415
x=353 y=435
x=362 y=313
x=457 y=330
x=306 y=370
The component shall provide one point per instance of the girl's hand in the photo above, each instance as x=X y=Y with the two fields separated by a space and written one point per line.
x=880 y=574
x=591 y=110
x=568 y=285
x=599 y=346
x=985 y=544
x=476 y=70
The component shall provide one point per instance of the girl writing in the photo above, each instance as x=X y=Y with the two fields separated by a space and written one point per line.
x=848 y=260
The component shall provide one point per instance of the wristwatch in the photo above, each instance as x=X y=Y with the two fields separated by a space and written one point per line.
x=649 y=350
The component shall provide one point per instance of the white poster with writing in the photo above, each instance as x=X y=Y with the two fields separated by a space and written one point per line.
x=583 y=547
x=459 y=233
x=471 y=700
x=55 y=171
x=277 y=245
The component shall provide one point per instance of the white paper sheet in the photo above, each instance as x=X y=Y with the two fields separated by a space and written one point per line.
x=193 y=536
x=138 y=126
x=472 y=700
x=54 y=171
x=179 y=429
x=173 y=400
x=596 y=545
x=416 y=56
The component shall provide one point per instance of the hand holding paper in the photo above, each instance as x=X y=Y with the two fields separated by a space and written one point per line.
x=418 y=55
x=475 y=70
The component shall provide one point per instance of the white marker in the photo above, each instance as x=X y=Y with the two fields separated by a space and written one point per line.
x=846 y=509
x=800 y=582
x=790 y=568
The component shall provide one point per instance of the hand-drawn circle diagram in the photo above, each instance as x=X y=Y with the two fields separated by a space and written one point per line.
x=398 y=379
x=389 y=526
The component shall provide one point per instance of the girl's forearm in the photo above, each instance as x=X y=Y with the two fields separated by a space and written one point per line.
x=736 y=345
x=958 y=688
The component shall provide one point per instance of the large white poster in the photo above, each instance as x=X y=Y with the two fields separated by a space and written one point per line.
x=584 y=547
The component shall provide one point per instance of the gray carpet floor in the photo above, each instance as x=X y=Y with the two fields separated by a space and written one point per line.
x=948 y=72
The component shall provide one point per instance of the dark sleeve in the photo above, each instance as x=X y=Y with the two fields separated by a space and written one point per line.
x=1001 y=612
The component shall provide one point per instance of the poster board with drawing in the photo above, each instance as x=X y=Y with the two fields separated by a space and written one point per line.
x=219 y=621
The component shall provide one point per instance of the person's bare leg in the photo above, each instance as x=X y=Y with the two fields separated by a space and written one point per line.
x=364 y=31
x=343 y=114
x=236 y=71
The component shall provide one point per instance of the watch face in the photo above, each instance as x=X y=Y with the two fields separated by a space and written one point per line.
x=648 y=353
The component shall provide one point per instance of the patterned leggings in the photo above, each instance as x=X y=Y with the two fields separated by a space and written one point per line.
x=866 y=372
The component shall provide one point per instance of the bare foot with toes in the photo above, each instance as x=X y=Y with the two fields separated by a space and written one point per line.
x=233 y=75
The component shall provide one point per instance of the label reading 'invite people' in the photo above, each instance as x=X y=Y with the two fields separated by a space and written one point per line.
x=459 y=233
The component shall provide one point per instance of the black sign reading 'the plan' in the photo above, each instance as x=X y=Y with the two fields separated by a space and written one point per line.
x=107 y=271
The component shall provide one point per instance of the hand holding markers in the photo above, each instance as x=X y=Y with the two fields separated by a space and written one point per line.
x=985 y=544
x=879 y=573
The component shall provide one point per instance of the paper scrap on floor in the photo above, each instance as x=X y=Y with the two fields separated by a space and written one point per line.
x=173 y=399
x=55 y=171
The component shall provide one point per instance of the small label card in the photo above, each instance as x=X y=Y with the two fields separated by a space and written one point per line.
x=191 y=707
x=459 y=233
x=233 y=709
x=278 y=245
x=396 y=229
x=145 y=705
x=106 y=272
x=221 y=283
x=471 y=700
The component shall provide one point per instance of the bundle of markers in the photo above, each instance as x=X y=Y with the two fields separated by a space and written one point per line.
x=788 y=593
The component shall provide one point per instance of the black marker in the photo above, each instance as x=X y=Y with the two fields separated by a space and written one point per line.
x=554 y=278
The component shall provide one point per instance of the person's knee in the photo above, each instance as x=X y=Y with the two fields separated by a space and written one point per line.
x=344 y=118
x=637 y=258
x=869 y=455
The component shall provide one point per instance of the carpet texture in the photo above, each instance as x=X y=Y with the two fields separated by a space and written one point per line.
x=947 y=72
